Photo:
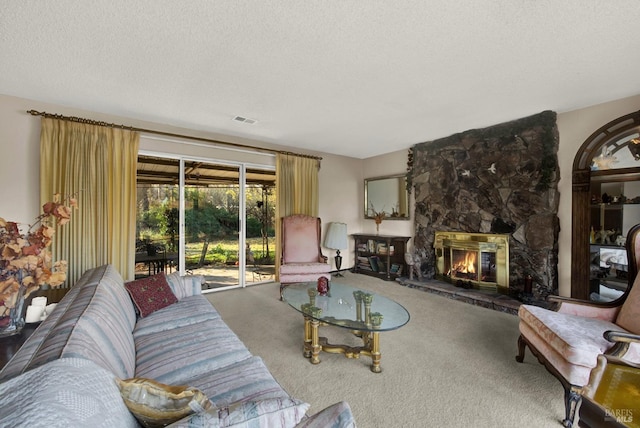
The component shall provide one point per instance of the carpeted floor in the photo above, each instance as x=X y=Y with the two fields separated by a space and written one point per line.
x=452 y=365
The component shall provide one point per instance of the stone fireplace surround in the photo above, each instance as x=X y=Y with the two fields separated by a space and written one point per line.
x=501 y=179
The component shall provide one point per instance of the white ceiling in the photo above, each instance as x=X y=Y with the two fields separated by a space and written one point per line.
x=350 y=77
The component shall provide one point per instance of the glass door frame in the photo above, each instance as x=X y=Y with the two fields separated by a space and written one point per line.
x=242 y=168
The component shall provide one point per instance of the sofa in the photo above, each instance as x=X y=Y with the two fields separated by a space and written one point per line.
x=69 y=372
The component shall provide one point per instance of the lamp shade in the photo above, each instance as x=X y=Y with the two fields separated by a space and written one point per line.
x=336 y=237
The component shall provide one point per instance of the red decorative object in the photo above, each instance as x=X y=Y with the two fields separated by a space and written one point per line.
x=323 y=286
x=528 y=284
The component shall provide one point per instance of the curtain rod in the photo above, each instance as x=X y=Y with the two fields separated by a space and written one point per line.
x=166 y=134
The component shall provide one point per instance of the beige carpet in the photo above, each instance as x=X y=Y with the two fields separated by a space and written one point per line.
x=452 y=365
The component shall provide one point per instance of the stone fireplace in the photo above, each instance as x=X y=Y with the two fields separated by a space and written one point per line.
x=501 y=180
x=473 y=260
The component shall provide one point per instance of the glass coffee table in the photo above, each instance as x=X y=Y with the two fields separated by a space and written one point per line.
x=365 y=313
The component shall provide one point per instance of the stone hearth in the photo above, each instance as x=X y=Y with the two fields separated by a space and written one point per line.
x=499 y=180
x=495 y=301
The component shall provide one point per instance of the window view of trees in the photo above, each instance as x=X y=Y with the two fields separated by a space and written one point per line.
x=211 y=218
x=157 y=216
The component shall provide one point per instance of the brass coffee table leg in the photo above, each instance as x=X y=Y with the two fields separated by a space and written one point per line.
x=315 y=342
x=307 y=338
x=375 y=352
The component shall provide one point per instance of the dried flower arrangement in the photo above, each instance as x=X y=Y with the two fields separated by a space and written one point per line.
x=25 y=257
x=377 y=216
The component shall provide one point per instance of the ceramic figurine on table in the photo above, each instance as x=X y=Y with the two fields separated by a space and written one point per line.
x=414 y=265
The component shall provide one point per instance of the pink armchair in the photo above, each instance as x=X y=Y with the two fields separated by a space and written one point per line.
x=302 y=258
x=568 y=340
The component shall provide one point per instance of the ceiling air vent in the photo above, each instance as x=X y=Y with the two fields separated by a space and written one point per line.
x=245 y=120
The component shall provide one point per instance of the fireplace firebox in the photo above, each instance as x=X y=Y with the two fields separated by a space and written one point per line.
x=473 y=260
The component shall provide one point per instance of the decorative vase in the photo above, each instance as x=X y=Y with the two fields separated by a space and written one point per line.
x=12 y=321
x=323 y=286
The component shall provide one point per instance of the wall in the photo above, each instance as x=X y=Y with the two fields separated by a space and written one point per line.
x=340 y=188
x=20 y=161
x=340 y=178
x=19 y=166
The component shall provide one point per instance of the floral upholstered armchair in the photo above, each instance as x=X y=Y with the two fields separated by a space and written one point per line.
x=568 y=340
x=302 y=258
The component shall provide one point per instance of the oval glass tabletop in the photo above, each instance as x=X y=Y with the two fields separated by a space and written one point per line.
x=346 y=306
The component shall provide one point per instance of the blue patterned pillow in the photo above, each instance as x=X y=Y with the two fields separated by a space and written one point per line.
x=336 y=416
x=185 y=286
x=285 y=412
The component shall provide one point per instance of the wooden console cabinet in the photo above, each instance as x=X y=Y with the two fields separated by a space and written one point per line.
x=381 y=256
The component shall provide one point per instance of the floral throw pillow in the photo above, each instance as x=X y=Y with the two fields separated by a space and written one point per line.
x=150 y=294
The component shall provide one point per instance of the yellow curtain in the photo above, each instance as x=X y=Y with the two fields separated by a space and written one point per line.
x=296 y=190
x=98 y=164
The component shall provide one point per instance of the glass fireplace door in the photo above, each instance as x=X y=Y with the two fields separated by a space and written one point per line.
x=464 y=264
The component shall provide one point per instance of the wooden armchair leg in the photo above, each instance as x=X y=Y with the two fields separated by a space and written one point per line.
x=521 y=345
x=572 y=393
x=572 y=398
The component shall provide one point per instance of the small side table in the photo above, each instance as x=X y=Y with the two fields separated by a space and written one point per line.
x=611 y=397
x=9 y=345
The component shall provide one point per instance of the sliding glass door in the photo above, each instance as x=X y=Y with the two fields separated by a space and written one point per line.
x=157 y=217
x=197 y=215
x=260 y=245
x=212 y=222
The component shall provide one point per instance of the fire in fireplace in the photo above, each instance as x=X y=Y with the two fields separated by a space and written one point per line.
x=476 y=260
x=463 y=264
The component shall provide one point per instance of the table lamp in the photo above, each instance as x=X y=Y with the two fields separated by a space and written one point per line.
x=336 y=239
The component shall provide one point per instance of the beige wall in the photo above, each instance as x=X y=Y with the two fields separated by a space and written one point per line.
x=19 y=161
x=341 y=178
x=340 y=189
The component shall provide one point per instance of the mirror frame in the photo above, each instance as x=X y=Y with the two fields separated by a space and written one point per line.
x=388 y=216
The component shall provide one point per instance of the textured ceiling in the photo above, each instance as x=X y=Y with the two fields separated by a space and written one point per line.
x=355 y=78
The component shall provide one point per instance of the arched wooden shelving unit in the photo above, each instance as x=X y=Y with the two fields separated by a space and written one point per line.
x=613 y=131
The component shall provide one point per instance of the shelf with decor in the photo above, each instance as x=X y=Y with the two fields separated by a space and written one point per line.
x=381 y=256
x=615 y=208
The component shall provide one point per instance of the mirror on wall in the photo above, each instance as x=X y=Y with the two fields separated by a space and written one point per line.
x=388 y=194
